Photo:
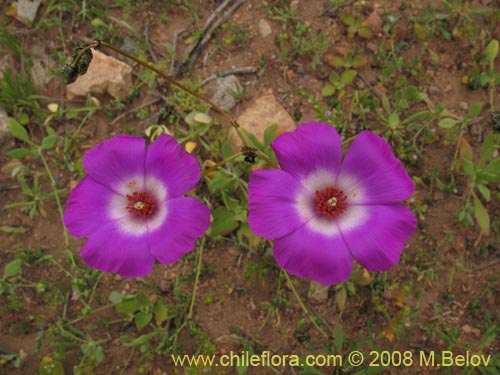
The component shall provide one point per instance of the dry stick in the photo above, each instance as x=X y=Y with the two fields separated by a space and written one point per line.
x=242 y=70
x=192 y=55
x=143 y=105
x=205 y=29
x=174 y=47
x=210 y=33
x=146 y=36
x=217 y=11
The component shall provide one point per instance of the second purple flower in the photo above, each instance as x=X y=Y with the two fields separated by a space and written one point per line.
x=322 y=212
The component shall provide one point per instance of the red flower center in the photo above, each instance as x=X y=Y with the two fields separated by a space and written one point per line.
x=330 y=203
x=140 y=204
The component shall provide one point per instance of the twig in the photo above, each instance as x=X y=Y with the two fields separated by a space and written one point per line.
x=174 y=47
x=242 y=70
x=205 y=29
x=489 y=264
x=194 y=52
x=146 y=36
x=143 y=105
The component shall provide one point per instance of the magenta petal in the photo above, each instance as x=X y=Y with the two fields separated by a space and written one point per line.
x=169 y=162
x=374 y=171
x=188 y=220
x=116 y=161
x=86 y=210
x=272 y=196
x=111 y=250
x=378 y=241
x=310 y=147
x=315 y=256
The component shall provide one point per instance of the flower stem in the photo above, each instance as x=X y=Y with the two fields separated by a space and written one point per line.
x=220 y=164
x=267 y=160
x=199 y=254
x=93 y=311
x=301 y=303
x=172 y=81
x=56 y=195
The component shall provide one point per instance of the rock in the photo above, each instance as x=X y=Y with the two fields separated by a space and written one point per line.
x=6 y=137
x=26 y=10
x=106 y=75
x=261 y=114
x=264 y=28
x=318 y=293
x=225 y=92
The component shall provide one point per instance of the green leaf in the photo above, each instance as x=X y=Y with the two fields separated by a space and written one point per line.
x=339 y=339
x=336 y=62
x=224 y=222
x=334 y=78
x=19 y=131
x=128 y=306
x=161 y=311
x=19 y=153
x=492 y=171
x=393 y=120
x=222 y=182
x=465 y=149
x=341 y=298
x=98 y=354
x=422 y=115
x=348 y=76
x=11 y=269
x=469 y=168
x=144 y=300
x=491 y=51
x=116 y=297
x=270 y=134
x=328 y=90
x=485 y=192
x=7 y=229
x=474 y=110
x=448 y=123
x=49 y=141
x=482 y=217
x=226 y=150
x=487 y=149
x=385 y=104
x=142 y=319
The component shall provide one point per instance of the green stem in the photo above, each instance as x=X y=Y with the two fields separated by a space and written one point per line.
x=92 y=312
x=56 y=195
x=173 y=82
x=304 y=308
x=219 y=164
x=267 y=160
x=197 y=278
x=94 y=288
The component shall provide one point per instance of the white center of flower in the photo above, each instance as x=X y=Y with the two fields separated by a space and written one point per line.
x=141 y=210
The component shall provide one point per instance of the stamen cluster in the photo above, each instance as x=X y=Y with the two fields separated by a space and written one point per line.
x=330 y=203
x=141 y=204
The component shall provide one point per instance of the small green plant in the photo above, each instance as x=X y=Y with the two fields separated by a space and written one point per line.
x=338 y=83
x=356 y=26
x=479 y=174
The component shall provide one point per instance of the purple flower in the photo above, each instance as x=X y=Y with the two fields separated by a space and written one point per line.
x=131 y=208
x=322 y=211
